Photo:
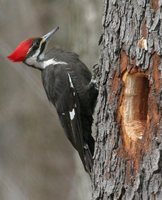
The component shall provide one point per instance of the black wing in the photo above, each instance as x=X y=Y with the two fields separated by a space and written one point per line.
x=62 y=93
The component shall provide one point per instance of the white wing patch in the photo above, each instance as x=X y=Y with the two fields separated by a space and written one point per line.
x=70 y=81
x=52 y=62
x=72 y=114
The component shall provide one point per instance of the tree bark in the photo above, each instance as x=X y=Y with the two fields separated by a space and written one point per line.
x=128 y=152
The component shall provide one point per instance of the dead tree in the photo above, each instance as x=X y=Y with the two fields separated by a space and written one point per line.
x=128 y=153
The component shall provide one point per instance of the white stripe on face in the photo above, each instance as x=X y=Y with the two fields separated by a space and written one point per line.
x=52 y=62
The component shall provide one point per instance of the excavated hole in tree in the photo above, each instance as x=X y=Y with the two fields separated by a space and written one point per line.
x=135 y=106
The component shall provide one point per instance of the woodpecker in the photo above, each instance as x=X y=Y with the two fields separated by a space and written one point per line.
x=69 y=87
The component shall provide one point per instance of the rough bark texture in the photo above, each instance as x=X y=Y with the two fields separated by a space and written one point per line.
x=128 y=154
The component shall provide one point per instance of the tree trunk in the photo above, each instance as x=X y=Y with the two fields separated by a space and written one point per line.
x=128 y=153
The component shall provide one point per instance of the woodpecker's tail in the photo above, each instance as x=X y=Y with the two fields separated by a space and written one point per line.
x=88 y=159
x=87 y=156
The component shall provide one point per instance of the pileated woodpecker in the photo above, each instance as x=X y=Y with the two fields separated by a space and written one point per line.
x=68 y=85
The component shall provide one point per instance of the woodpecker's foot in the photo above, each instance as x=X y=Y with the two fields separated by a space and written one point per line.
x=92 y=85
x=95 y=71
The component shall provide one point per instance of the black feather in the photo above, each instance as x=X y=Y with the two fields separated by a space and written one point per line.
x=72 y=95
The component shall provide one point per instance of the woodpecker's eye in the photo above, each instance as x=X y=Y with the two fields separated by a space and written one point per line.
x=36 y=44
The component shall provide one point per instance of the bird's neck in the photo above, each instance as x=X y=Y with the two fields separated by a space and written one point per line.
x=52 y=61
x=42 y=63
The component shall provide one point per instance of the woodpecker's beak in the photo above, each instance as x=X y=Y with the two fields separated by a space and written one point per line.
x=50 y=34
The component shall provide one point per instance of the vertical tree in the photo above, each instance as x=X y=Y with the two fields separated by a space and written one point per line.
x=128 y=154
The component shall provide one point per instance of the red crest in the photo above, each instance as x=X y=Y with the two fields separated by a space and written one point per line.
x=20 y=53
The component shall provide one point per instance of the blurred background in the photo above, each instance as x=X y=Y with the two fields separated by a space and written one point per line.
x=36 y=160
